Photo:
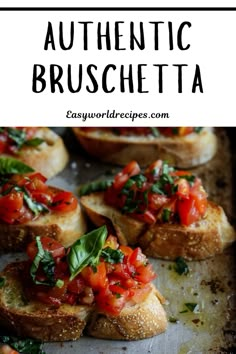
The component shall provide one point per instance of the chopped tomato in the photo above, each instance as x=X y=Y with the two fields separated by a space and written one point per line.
x=145 y=273
x=137 y=258
x=6 y=349
x=128 y=171
x=11 y=206
x=147 y=217
x=153 y=171
x=156 y=201
x=110 y=303
x=77 y=285
x=95 y=277
x=48 y=244
x=64 y=201
x=183 y=188
x=188 y=212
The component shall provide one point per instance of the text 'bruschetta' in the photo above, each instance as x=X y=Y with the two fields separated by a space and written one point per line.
x=183 y=147
x=40 y=148
x=28 y=207
x=163 y=210
x=95 y=287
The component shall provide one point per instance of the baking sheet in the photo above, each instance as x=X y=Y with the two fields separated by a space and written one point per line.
x=210 y=284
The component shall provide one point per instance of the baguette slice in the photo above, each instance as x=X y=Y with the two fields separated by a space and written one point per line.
x=49 y=158
x=201 y=240
x=46 y=323
x=183 y=152
x=65 y=227
x=34 y=319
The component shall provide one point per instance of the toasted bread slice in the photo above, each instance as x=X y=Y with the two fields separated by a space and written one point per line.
x=34 y=319
x=65 y=227
x=47 y=323
x=181 y=151
x=201 y=240
x=49 y=158
x=134 y=322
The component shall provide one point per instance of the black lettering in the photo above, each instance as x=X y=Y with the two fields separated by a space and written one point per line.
x=197 y=81
x=179 y=36
x=156 y=34
x=104 y=78
x=55 y=79
x=106 y=35
x=129 y=78
x=141 y=78
x=38 y=77
x=160 y=76
x=93 y=80
x=85 y=36
x=118 y=35
x=179 y=66
x=49 y=38
x=133 y=39
x=69 y=79
x=61 y=36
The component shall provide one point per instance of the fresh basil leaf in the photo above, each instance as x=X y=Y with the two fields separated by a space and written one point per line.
x=166 y=215
x=18 y=136
x=192 y=306
x=2 y=129
x=9 y=165
x=112 y=256
x=157 y=188
x=198 y=129
x=2 y=282
x=86 y=250
x=23 y=346
x=181 y=266
x=34 y=142
x=175 y=131
x=44 y=258
x=95 y=186
x=155 y=131
x=34 y=206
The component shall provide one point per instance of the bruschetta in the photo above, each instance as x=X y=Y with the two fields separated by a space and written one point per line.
x=40 y=148
x=181 y=146
x=163 y=210
x=95 y=287
x=29 y=207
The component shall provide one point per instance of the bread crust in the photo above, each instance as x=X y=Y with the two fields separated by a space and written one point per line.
x=65 y=227
x=34 y=319
x=183 y=152
x=48 y=158
x=203 y=239
x=46 y=323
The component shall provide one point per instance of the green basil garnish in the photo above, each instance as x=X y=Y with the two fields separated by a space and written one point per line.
x=9 y=165
x=34 y=142
x=86 y=251
x=198 y=129
x=96 y=186
x=181 y=266
x=192 y=306
x=46 y=260
x=2 y=282
x=24 y=346
x=112 y=256
x=34 y=206
x=18 y=136
x=155 y=131
x=166 y=215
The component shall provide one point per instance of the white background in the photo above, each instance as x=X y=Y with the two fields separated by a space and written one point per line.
x=212 y=40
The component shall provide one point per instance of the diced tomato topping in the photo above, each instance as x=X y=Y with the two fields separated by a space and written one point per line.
x=107 y=285
x=157 y=194
x=21 y=195
x=54 y=247
x=64 y=201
